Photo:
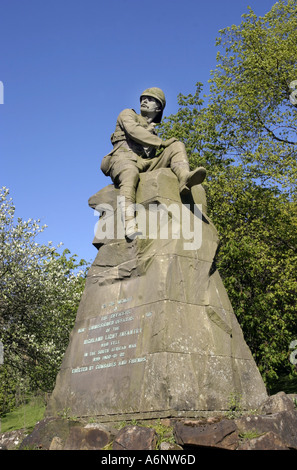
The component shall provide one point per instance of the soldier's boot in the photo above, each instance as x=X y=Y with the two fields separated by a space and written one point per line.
x=128 y=180
x=187 y=178
x=127 y=207
x=131 y=228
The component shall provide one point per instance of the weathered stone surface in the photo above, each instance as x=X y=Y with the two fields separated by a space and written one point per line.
x=81 y=438
x=275 y=403
x=222 y=434
x=105 y=196
x=44 y=432
x=293 y=397
x=12 y=439
x=283 y=424
x=157 y=185
x=63 y=434
x=135 y=438
x=155 y=333
x=276 y=431
x=169 y=446
x=268 y=441
x=56 y=443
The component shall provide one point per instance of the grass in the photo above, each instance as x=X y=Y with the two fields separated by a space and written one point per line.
x=24 y=417
x=250 y=435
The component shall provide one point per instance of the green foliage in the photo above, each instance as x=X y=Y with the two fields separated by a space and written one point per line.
x=39 y=294
x=256 y=121
x=257 y=261
x=246 y=138
x=235 y=406
x=287 y=384
x=8 y=389
x=165 y=433
x=250 y=434
x=24 y=416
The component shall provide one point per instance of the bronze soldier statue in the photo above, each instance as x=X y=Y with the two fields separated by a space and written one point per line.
x=137 y=148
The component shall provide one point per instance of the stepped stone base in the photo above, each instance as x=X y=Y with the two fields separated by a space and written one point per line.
x=155 y=333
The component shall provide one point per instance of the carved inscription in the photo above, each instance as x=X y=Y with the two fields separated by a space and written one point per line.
x=111 y=341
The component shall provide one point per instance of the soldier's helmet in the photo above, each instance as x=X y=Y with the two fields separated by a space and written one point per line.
x=159 y=95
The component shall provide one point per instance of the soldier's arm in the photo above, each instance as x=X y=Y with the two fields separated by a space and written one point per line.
x=128 y=122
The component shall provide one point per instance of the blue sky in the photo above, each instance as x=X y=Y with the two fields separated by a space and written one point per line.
x=68 y=68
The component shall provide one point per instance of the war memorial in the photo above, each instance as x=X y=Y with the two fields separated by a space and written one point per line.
x=155 y=334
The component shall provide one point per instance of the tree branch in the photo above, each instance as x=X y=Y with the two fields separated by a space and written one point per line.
x=279 y=139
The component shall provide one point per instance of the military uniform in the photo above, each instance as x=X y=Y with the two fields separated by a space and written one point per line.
x=137 y=148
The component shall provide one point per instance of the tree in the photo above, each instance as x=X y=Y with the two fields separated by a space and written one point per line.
x=246 y=137
x=250 y=91
x=39 y=294
x=254 y=120
x=258 y=261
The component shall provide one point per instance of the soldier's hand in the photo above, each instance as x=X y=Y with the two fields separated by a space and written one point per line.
x=168 y=142
x=151 y=127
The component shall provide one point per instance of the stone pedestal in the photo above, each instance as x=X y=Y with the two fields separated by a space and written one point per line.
x=155 y=333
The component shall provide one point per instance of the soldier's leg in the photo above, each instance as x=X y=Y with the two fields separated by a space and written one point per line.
x=127 y=180
x=175 y=157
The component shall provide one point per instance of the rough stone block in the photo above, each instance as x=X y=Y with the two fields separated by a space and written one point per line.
x=159 y=186
x=268 y=441
x=86 y=439
x=222 y=435
x=135 y=438
x=278 y=402
x=283 y=424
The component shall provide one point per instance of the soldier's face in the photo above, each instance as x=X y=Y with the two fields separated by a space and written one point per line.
x=149 y=105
